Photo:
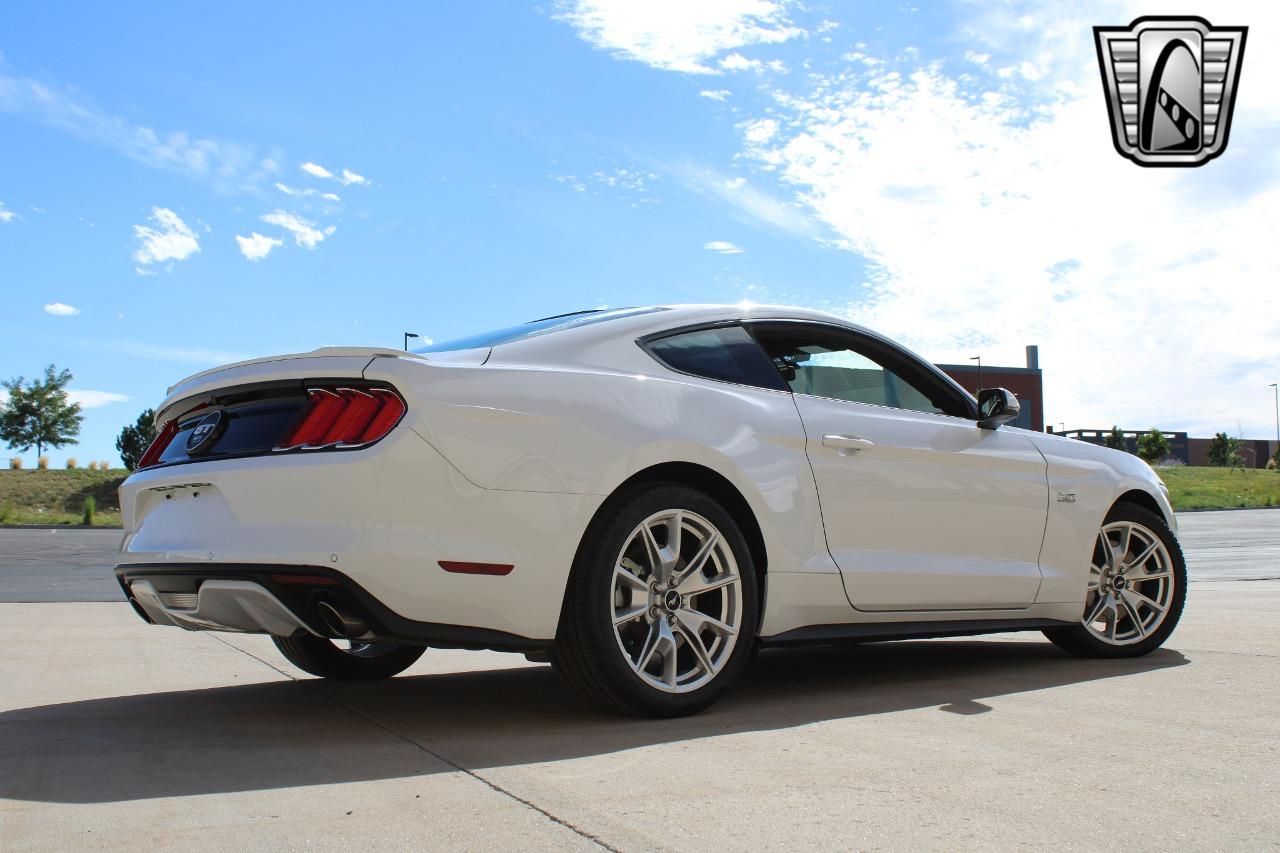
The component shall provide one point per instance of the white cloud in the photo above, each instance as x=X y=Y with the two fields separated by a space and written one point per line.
x=316 y=170
x=305 y=233
x=629 y=184
x=715 y=94
x=760 y=131
x=723 y=247
x=294 y=191
x=330 y=197
x=678 y=35
x=346 y=177
x=224 y=164
x=256 y=246
x=6 y=215
x=349 y=177
x=59 y=309
x=95 y=399
x=749 y=204
x=738 y=62
x=170 y=240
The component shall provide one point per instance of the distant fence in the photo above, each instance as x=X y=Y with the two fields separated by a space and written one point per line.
x=1193 y=451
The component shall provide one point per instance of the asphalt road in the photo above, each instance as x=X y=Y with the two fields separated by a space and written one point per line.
x=119 y=735
x=75 y=565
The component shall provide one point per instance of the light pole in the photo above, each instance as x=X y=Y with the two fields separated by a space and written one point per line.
x=408 y=335
x=1275 y=387
x=978 y=359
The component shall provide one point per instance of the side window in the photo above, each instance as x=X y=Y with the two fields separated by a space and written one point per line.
x=727 y=353
x=825 y=362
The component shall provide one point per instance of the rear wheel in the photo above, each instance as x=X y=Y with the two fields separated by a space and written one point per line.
x=347 y=660
x=1137 y=587
x=660 y=613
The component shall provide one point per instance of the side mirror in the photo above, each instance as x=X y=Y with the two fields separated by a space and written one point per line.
x=996 y=406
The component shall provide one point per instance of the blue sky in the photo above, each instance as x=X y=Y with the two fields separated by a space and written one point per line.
x=173 y=193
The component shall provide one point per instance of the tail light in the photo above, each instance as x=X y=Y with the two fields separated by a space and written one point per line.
x=344 y=417
x=161 y=442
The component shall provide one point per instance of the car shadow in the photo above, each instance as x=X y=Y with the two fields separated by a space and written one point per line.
x=294 y=733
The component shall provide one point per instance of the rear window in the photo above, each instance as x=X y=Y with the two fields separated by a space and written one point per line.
x=533 y=328
x=727 y=353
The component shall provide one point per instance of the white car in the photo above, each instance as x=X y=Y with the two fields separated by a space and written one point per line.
x=642 y=496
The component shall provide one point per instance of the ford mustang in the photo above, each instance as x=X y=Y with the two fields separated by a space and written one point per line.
x=641 y=496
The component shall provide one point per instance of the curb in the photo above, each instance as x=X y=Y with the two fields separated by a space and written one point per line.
x=1225 y=509
x=61 y=527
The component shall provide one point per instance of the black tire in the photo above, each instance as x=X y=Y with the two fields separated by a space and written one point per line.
x=364 y=662
x=587 y=653
x=1078 y=640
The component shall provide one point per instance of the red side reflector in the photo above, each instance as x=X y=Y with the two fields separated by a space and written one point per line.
x=476 y=568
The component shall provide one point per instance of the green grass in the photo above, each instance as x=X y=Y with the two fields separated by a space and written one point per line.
x=58 y=497
x=1221 y=488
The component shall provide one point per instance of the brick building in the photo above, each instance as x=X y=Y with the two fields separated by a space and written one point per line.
x=1024 y=382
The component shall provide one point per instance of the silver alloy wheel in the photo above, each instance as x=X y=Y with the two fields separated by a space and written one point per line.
x=676 y=601
x=1130 y=584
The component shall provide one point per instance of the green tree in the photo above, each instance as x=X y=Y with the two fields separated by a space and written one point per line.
x=134 y=440
x=39 y=413
x=1115 y=439
x=1224 y=451
x=1152 y=445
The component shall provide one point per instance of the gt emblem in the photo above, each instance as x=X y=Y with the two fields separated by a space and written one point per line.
x=1170 y=84
x=206 y=433
x=1066 y=497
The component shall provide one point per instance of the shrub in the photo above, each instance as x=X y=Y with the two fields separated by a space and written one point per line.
x=43 y=463
x=1171 y=462
x=1224 y=451
x=15 y=464
x=1115 y=439
x=1272 y=465
x=71 y=463
x=90 y=508
x=1152 y=445
x=7 y=514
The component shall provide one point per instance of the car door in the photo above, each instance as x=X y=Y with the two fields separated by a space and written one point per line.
x=923 y=509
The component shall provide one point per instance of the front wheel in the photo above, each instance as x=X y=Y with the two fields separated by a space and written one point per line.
x=661 y=608
x=1137 y=587
x=358 y=661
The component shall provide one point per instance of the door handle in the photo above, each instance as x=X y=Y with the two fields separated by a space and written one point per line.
x=847 y=442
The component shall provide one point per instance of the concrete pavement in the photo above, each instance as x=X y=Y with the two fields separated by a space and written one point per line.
x=75 y=565
x=116 y=734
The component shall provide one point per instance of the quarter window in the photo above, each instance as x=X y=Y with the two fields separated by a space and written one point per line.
x=726 y=353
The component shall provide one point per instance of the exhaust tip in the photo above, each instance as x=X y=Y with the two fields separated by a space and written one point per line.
x=341 y=621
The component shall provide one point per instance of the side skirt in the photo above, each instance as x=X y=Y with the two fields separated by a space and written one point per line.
x=816 y=635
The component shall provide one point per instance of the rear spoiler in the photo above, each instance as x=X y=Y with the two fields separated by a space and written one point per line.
x=322 y=352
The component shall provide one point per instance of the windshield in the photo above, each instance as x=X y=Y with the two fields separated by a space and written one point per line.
x=535 y=327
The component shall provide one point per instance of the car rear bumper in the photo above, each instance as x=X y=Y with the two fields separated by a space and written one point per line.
x=285 y=601
x=382 y=520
